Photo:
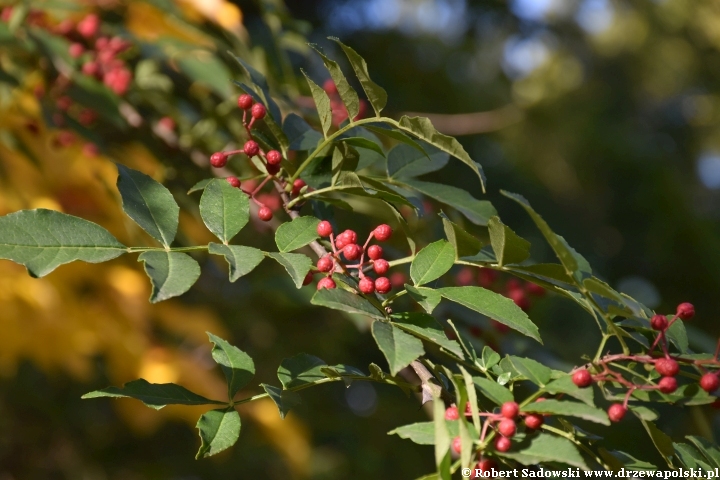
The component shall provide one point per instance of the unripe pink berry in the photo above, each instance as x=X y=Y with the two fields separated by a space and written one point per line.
x=383 y=232
x=324 y=228
x=273 y=157
x=375 y=252
x=582 y=378
x=233 y=181
x=352 y=251
x=507 y=427
x=509 y=409
x=486 y=465
x=534 y=421
x=88 y=27
x=520 y=299
x=502 y=444
x=667 y=384
x=686 y=311
x=366 y=285
x=258 y=111
x=245 y=101
x=382 y=285
x=327 y=283
x=218 y=159
x=397 y=279
x=616 y=412
x=76 y=49
x=91 y=69
x=659 y=322
x=465 y=277
x=265 y=214
x=118 y=79
x=457 y=445
x=709 y=382
x=451 y=413
x=325 y=264
x=381 y=266
x=251 y=148
x=667 y=367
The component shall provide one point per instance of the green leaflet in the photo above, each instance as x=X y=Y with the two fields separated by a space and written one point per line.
x=300 y=370
x=432 y=262
x=345 y=301
x=398 y=347
x=296 y=264
x=42 y=240
x=219 y=430
x=508 y=246
x=296 y=234
x=283 y=399
x=477 y=211
x=405 y=161
x=154 y=395
x=377 y=96
x=322 y=104
x=348 y=96
x=224 y=209
x=571 y=409
x=241 y=259
x=237 y=365
x=171 y=273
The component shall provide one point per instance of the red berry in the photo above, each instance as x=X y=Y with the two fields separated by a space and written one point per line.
x=659 y=322
x=330 y=87
x=166 y=123
x=534 y=421
x=91 y=69
x=502 y=444
x=486 y=277
x=326 y=282
x=272 y=169
x=382 y=285
x=258 y=111
x=274 y=157
x=534 y=289
x=686 y=311
x=218 y=159
x=117 y=44
x=709 y=382
x=375 y=252
x=506 y=427
x=667 y=384
x=509 y=410
x=381 y=266
x=397 y=279
x=468 y=410
x=457 y=444
x=520 y=299
x=245 y=101
x=465 y=277
x=118 y=80
x=451 y=413
x=324 y=228
x=513 y=284
x=308 y=279
x=345 y=238
x=352 y=251
x=367 y=285
x=297 y=186
x=234 y=181
x=89 y=26
x=667 y=367
x=251 y=148
x=265 y=214
x=383 y=232
x=616 y=412
x=582 y=378
x=483 y=466
x=325 y=264
x=76 y=49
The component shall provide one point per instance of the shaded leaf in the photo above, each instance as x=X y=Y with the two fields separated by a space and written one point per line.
x=375 y=93
x=405 y=161
x=42 y=240
x=296 y=264
x=427 y=328
x=219 y=430
x=284 y=399
x=237 y=365
x=477 y=211
x=301 y=135
x=465 y=244
x=339 y=299
x=300 y=370
x=571 y=409
x=348 y=96
x=360 y=142
x=171 y=273
x=154 y=395
x=508 y=246
x=398 y=347
x=242 y=260
x=224 y=209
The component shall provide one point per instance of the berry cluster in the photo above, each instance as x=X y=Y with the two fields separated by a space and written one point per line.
x=666 y=365
x=503 y=422
x=271 y=160
x=345 y=246
x=339 y=112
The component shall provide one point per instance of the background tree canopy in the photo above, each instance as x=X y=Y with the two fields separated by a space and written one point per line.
x=605 y=114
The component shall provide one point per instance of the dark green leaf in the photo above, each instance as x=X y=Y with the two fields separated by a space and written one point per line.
x=242 y=260
x=545 y=447
x=477 y=211
x=678 y=336
x=508 y=246
x=300 y=134
x=42 y=240
x=296 y=234
x=571 y=409
x=398 y=347
x=149 y=204
x=171 y=273
x=348 y=96
x=219 y=430
x=360 y=142
x=224 y=209
x=375 y=93
x=344 y=160
x=296 y=264
x=489 y=358
x=493 y=391
x=565 y=385
x=300 y=370
x=432 y=262
x=709 y=451
x=424 y=130
x=200 y=186
x=154 y=395
x=237 y=365
x=465 y=244
x=493 y=305
x=534 y=371
x=662 y=441
x=339 y=299
x=405 y=161
x=427 y=328
x=322 y=104
x=426 y=297
x=383 y=129
x=284 y=399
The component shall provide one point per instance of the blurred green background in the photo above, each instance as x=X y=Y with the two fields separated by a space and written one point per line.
x=604 y=114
